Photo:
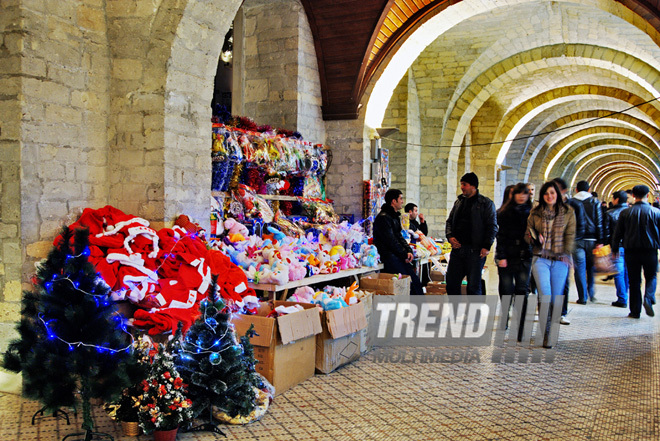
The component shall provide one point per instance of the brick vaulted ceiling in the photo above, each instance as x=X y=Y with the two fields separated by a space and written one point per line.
x=353 y=37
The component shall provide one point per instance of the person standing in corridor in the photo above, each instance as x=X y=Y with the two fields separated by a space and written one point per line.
x=551 y=232
x=395 y=253
x=619 y=203
x=638 y=231
x=470 y=229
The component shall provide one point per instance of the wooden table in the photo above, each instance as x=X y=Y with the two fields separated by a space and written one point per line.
x=272 y=289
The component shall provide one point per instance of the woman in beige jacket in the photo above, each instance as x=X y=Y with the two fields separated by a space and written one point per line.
x=551 y=232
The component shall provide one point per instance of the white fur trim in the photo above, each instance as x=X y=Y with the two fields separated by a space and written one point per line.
x=192 y=298
x=206 y=276
x=133 y=260
x=240 y=288
x=133 y=232
x=161 y=299
x=116 y=228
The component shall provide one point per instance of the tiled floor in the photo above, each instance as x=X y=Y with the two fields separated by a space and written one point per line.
x=602 y=385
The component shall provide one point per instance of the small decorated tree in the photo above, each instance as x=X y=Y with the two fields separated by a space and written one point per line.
x=163 y=403
x=71 y=335
x=217 y=366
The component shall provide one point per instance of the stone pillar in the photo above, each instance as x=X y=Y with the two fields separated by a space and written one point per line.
x=278 y=83
x=54 y=161
x=396 y=142
x=413 y=150
x=350 y=165
x=11 y=108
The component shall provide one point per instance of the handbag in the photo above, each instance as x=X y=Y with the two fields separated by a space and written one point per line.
x=603 y=260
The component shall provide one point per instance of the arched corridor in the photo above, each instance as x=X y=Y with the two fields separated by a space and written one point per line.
x=109 y=102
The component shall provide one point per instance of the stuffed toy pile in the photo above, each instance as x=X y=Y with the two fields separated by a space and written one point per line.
x=330 y=298
x=165 y=273
x=277 y=258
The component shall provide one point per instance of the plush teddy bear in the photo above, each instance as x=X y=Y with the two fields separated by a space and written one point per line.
x=236 y=231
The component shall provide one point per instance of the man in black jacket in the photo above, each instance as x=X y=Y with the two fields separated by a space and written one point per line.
x=619 y=203
x=395 y=253
x=413 y=214
x=594 y=237
x=471 y=229
x=579 y=235
x=638 y=230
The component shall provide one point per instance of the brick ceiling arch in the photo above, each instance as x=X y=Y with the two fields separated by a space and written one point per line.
x=457 y=119
x=597 y=160
x=588 y=151
x=625 y=183
x=541 y=147
x=515 y=124
x=577 y=143
x=600 y=158
x=567 y=115
x=604 y=175
x=350 y=44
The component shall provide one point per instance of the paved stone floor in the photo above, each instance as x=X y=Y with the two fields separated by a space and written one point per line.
x=602 y=385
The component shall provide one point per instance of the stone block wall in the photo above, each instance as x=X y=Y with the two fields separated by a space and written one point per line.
x=279 y=83
x=103 y=101
x=350 y=165
x=11 y=252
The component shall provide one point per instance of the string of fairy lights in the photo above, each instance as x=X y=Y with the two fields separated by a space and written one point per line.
x=117 y=318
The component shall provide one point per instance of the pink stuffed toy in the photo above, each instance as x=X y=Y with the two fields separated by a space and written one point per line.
x=233 y=228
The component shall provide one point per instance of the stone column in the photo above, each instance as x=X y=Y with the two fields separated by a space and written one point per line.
x=279 y=83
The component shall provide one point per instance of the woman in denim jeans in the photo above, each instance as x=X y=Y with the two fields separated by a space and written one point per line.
x=513 y=254
x=551 y=232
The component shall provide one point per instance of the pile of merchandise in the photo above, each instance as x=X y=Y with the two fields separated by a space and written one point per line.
x=164 y=273
x=330 y=297
x=277 y=258
x=71 y=324
x=269 y=164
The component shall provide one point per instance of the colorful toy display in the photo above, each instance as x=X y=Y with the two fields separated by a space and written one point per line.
x=277 y=258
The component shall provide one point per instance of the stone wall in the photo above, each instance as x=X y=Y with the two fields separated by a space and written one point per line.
x=279 y=81
x=350 y=165
x=12 y=41
x=103 y=101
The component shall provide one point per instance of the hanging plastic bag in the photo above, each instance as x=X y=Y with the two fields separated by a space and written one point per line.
x=603 y=260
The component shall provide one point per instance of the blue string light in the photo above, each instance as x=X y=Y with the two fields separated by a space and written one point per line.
x=73 y=345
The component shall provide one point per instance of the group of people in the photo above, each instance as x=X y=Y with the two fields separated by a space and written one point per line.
x=537 y=241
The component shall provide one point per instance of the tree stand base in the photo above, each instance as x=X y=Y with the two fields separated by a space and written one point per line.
x=207 y=427
x=58 y=414
x=89 y=436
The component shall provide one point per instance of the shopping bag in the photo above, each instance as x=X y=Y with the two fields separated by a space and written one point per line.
x=603 y=260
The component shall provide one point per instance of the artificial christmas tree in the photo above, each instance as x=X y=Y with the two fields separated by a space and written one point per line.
x=164 y=405
x=71 y=335
x=217 y=367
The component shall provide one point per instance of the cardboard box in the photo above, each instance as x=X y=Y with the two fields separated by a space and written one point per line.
x=385 y=283
x=365 y=338
x=339 y=342
x=436 y=288
x=437 y=276
x=285 y=346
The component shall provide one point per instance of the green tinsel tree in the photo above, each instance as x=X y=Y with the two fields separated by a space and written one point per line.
x=218 y=368
x=72 y=337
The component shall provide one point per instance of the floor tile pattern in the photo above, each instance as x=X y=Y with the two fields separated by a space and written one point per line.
x=602 y=385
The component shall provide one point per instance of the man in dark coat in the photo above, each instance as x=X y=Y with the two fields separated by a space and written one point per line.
x=594 y=237
x=471 y=229
x=578 y=208
x=619 y=203
x=413 y=215
x=395 y=253
x=638 y=231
